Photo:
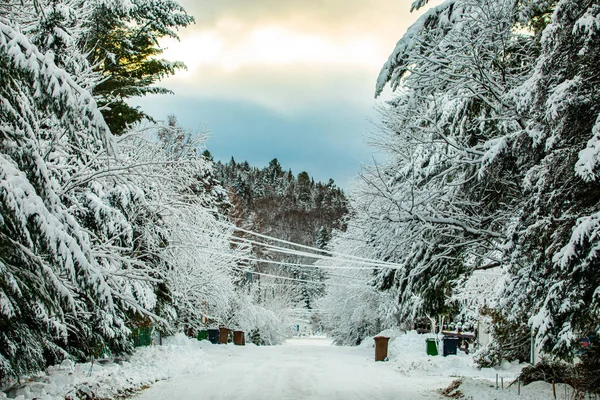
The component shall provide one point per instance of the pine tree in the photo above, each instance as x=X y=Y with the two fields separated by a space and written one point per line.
x=553 y=282
x=323 y=238
x=122 y=40
x=57 y=298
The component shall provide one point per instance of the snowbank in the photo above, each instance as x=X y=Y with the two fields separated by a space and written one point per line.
x=178 y=355
x=483 y=390
x=408 y=356
x=393 y=334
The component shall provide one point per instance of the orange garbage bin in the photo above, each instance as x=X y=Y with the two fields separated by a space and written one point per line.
x=224 y=335
x=238 y=338
x=381 y=348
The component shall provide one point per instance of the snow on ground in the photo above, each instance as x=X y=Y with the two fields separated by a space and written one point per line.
x=477 y=389
x=303 y=368
x=408 y=356
x=179 y=355
x=309 y=341
x=306 y=368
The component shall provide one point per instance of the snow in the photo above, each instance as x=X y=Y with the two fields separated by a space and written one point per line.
x=395 y=66
x=408 y=357
x=407 y=354
x=483 y=390
x=561 y=97
x=302 y=368
x=590 y=156
x=177 y=356
x=58 y=83
x=306 y=368
x=586 y=229
x=493 y=148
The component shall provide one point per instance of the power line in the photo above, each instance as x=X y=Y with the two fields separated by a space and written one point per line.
x=337 y=257
x=243 y=258
x=300 y=280
x=349 y=256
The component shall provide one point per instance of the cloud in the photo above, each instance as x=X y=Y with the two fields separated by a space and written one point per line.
x=300 y=45
x=321 y=15
x=273 y=47
x=288 y=90
x=326 y=142
x=292 y=79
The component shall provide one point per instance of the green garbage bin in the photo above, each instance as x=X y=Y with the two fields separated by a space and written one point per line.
x=141 y=336
x=203 y=335
x=432 y=349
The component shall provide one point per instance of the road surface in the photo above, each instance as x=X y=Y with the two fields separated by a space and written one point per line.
x=300 y=369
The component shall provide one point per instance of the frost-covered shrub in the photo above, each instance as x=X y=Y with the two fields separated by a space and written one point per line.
x=353 y=308
x=511 y=340
x=348 y=315
x=583 y=376
x=546 y=371
x=266 y=322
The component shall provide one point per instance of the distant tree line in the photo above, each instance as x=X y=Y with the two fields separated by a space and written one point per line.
x=291 y=207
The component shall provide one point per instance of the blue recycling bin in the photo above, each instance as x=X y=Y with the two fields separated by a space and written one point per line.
x=213 y=335
x=450 y=345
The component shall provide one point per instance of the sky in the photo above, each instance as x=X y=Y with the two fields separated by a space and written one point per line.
x=286 y=79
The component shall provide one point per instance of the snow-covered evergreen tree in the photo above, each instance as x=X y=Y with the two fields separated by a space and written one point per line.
x=439 y=206
x=492 y=137
x=89 y=223
x=554 y=282
x=59 y=294
x=121 y=41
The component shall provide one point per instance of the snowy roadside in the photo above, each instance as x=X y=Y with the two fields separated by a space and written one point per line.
x=177 y=356
x=311 y=358
x=408 y=357
x=482 y=389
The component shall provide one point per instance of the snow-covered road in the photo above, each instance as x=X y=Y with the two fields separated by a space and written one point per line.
x=300 y=369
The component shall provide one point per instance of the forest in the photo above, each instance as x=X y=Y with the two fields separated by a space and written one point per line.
x=110 y=221
x=274 y=202
x=489 y=199
x=487 y=205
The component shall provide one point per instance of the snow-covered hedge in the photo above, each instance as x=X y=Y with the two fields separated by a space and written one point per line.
x=177 y=356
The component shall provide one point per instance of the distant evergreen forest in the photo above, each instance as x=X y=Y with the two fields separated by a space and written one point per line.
x=278 y=203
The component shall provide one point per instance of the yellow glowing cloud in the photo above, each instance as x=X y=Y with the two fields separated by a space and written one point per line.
x=287 y=55
x=272 y=46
